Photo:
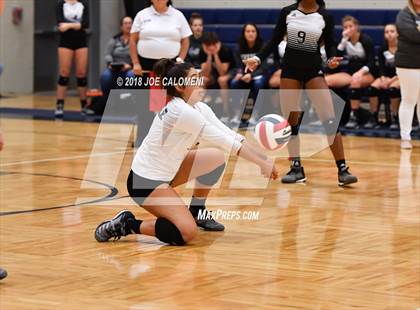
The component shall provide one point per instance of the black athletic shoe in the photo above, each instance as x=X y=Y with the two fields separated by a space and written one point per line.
x=394 y=123
x=346 y=178
x=3 y=273
x=295 y=175
x=353 y=122
x=115 y=228
x=416 y=125
x=208 y=223
x=59 y=110
x=371 y=123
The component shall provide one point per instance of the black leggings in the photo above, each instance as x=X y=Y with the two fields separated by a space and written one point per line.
x=140 y=188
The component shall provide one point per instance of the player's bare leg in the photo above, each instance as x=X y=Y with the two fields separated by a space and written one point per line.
x=173 y=217
x=290 y=97
x=320 y=96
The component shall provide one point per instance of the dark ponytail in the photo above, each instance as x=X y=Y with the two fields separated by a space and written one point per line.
x=321 y=3
x=162 y=66
x=149 y=3
x=167 y=68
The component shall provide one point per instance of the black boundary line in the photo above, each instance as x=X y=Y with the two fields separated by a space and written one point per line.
x=110 y=196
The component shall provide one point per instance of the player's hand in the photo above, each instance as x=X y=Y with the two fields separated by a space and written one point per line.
x=127 y=67
x=251 y=64
x=63 y=27
x=334 y=62
x=268 y=170
x=207 y=50
x=387 y=82
x=382 y=80
x=238 y=76
x=138 y=71
x=357 y=77
x=75 y=26
x=218 y=47
x=346 y=34
x=247 y=78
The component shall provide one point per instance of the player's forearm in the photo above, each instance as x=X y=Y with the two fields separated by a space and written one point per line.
x=206 y=67
x=133 y=52
x=185 y=44
x=248 y=152
x=76 y=26
x=220 y=67
x=394 y=79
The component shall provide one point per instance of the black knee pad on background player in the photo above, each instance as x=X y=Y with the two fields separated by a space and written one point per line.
x=63 y=80
x=394 y=92
x=295 y=127
x=167 y=232
x=331 y=127
x=212 y=177
x=355 y=93
x=82 y=82
x=373 y=92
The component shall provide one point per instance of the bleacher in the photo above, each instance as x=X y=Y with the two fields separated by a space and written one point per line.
x=228 y=23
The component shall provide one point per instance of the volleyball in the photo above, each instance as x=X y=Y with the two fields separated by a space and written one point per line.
x=272 y=132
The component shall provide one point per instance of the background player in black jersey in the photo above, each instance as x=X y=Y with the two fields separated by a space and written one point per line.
x=72 y=22
x=197 y=27
x=360 y=71
x=387 y=80
x=250 y=44
x=307 y=24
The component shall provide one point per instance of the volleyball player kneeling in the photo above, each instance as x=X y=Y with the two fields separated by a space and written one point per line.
x=167 y=158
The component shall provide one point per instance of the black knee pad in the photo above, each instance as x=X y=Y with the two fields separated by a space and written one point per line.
x=394 y=92
x=82 y=82
x=212 y=177
x=63 y=80
x=331 y=126
x=373 y=92
x=355 y=93
x=167 y=232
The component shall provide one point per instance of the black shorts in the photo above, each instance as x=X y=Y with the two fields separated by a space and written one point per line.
x=73 y=42
x=147 y=64
x=140 y=188
x=302 y=75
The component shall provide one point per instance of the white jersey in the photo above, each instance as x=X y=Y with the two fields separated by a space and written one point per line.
x=174 y=131
x=160 y=34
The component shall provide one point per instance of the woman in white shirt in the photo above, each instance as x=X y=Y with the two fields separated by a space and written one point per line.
x=158 y=31
x=168 y=158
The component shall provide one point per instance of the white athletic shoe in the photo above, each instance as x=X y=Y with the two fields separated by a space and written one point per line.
x=406 y=145
x=224 y=120
x=252 y=121
x=59 y=110
x=235 y=121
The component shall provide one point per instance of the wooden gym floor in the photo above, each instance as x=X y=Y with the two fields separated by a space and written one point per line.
x=314 y=246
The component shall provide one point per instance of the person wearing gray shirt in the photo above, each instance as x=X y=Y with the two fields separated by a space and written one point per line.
x=117 y=58
x=407 y=61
